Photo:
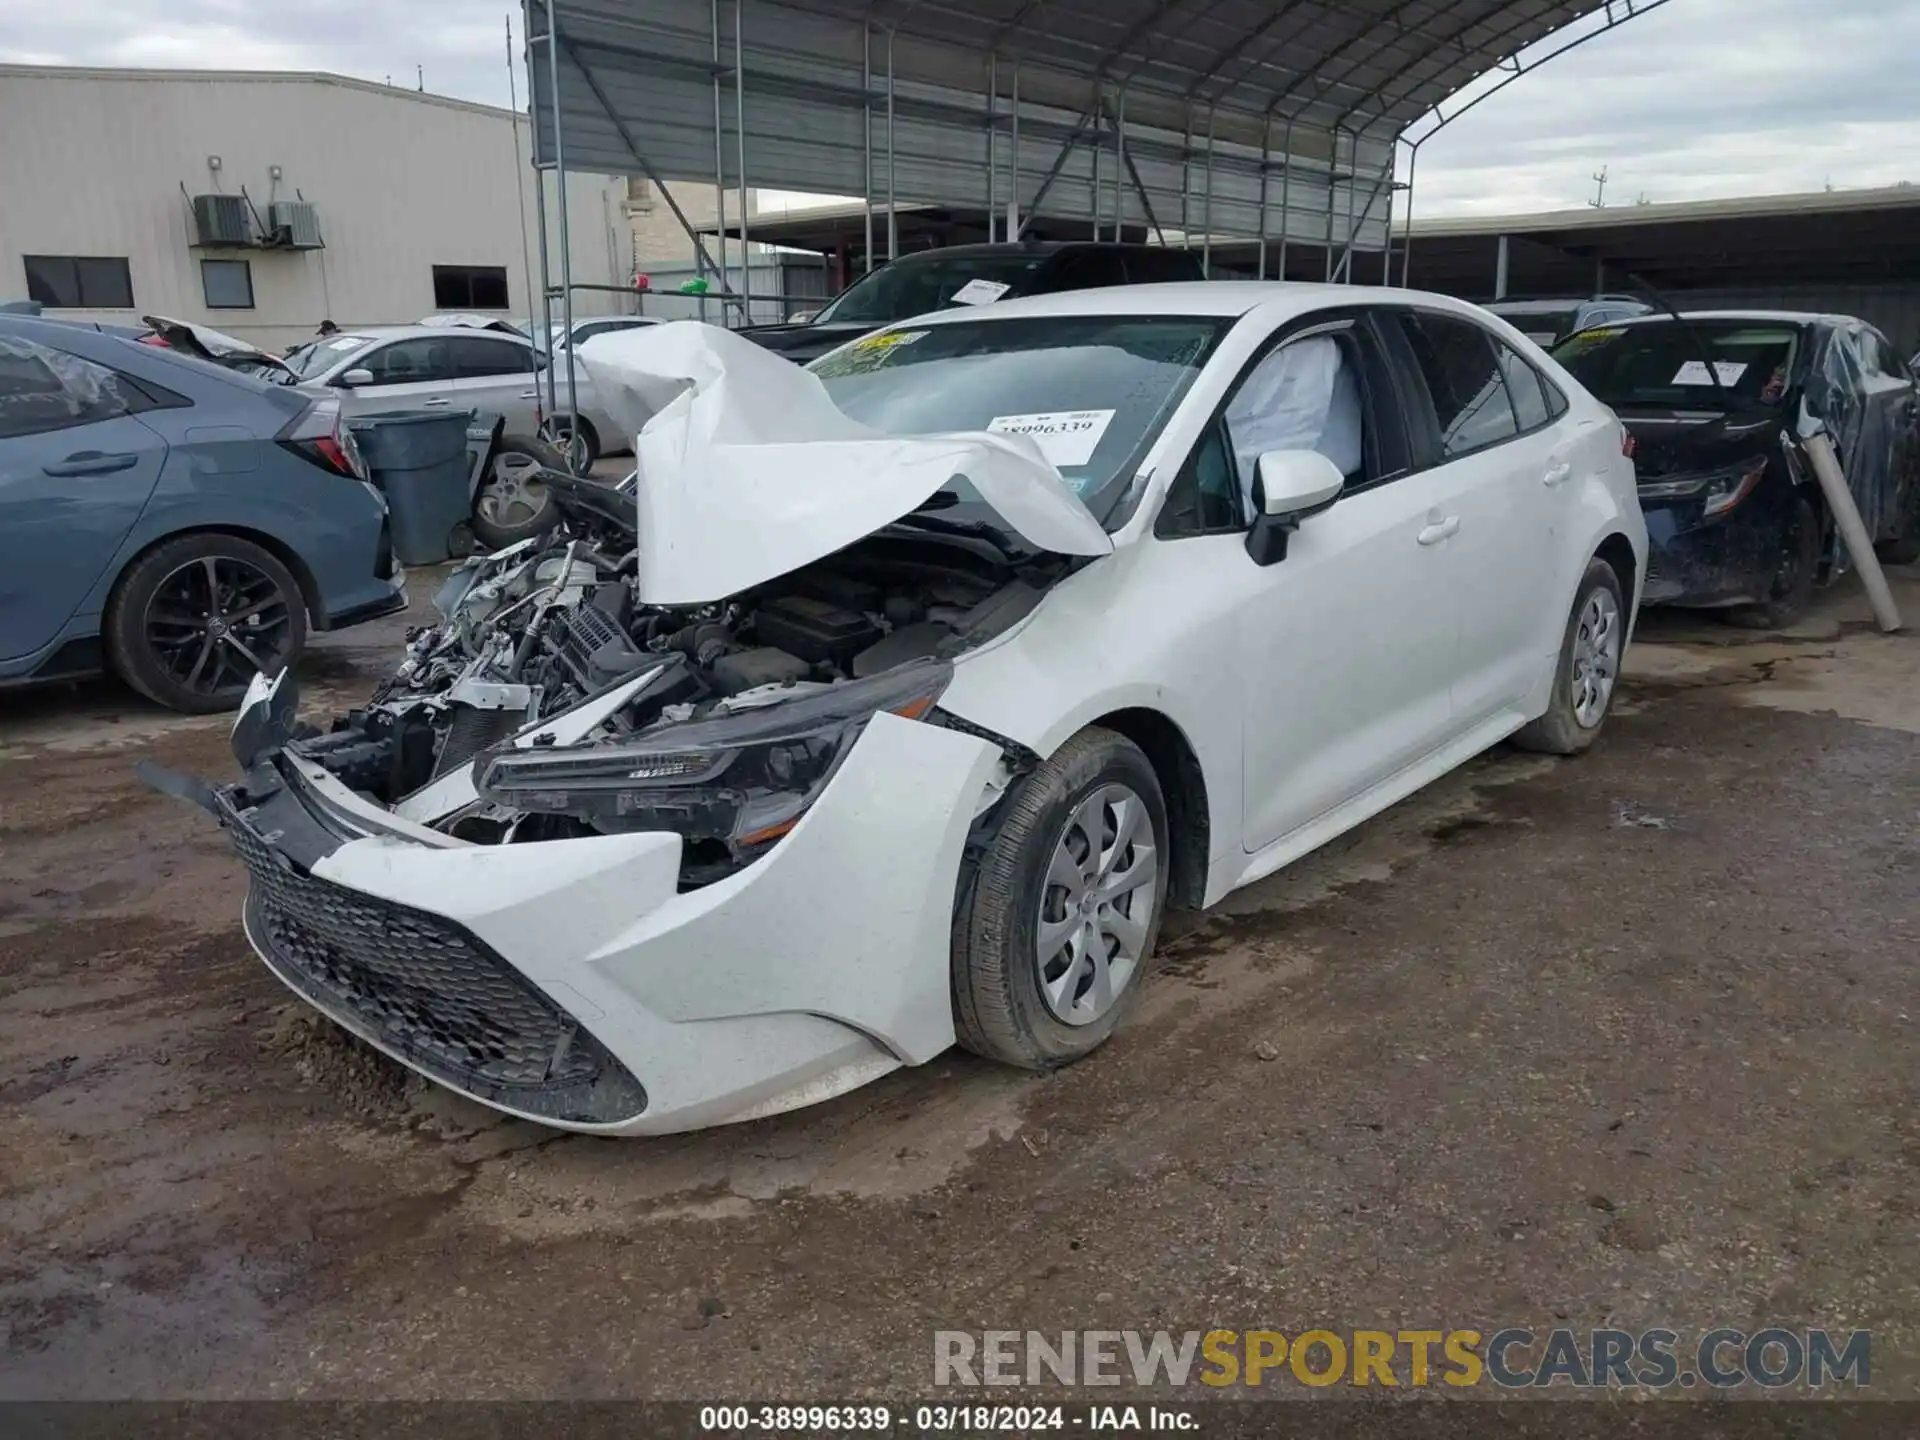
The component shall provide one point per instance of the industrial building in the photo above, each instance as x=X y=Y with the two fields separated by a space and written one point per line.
x=261 y=204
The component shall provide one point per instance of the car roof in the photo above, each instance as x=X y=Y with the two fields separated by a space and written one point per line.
x=432 y=332
x=984 y=250
x=1188 y=298
x=1765 y=317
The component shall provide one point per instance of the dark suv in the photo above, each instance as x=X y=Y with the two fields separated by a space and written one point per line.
x=971 y=275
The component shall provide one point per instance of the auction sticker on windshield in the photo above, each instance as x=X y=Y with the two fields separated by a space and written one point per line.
x=980 y=292
x=1694 y=372
x=1065 y=437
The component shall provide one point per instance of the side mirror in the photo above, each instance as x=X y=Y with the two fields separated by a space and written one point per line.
x=1293 y=485
x=354 y=378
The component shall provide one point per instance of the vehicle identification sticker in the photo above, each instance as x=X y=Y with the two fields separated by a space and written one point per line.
x=1065 y=437
x=980 y=292
x=1694 y=372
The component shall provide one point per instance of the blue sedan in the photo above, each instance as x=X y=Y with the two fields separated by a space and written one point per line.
x=178 y=524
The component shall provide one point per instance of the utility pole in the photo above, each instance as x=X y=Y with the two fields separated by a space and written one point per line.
x=1599 y=201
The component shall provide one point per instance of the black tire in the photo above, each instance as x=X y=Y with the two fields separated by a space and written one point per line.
x=509 y=507
x=1791 y=589
x=165 y=640
x=1562 y=731
x=999 y=1008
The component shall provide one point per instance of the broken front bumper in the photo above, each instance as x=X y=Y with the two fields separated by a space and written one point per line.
x=570 y=982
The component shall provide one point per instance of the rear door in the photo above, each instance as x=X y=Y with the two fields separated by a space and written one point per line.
x=501 y=374
x=76 y=468
x=1500 y=469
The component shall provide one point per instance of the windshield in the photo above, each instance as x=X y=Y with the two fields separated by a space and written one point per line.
x=1663 y=363
x=323 y=354
x=922 y=283
x=1091 y=391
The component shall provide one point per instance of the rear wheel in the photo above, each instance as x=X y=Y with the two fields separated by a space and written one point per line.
x=1588 y=669
x=195 y=619
x=1056 y=937
x=512 y=504
x=1791 y=589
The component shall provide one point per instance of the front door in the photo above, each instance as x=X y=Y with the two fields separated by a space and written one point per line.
x=1349 y=640
x=411 y=374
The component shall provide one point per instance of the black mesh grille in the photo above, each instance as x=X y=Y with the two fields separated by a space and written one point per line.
x=430 y=991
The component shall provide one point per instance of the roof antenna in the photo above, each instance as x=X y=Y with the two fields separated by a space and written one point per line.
x=1599 y=201
x=420 y=79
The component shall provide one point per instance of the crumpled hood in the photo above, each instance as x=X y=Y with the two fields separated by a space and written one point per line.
x=748 y=470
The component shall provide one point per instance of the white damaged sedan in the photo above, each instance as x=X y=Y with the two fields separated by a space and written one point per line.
x=897 y=698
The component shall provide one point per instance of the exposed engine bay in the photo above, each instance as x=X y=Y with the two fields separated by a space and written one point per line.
x=546 y=702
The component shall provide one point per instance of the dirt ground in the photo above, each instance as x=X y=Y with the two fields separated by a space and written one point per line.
x=1628 y=1040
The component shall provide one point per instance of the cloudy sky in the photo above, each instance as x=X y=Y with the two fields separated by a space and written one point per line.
x=1700 y=98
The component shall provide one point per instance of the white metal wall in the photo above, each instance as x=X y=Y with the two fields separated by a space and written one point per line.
x=98 y=162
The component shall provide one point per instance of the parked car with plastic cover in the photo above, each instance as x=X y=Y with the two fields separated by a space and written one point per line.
x=1717 y=403
x=177 y=523
x=454 y=365
x=930 y=280
x=1005 y=629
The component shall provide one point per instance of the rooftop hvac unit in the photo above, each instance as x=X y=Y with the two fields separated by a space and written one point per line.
x=296 y=225
x=220 y=220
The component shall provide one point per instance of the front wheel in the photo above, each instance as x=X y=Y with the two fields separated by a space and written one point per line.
x=1056 y=937
x=1588 y=668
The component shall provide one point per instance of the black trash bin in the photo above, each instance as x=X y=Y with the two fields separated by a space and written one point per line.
x=419 y=458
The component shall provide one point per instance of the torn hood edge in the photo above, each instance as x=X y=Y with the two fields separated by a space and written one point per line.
x=748 y=470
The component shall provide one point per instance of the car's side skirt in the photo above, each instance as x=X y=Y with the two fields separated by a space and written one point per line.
x=1364 y=806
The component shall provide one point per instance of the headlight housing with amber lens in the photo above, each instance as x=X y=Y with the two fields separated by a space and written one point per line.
x=744 y=779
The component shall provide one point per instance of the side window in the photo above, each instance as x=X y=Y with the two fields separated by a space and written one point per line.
x=43 y=389
x=475 y=359
x=1524 y=386
x=1304 y=395
x=410 y=362
x=1470 y=401
x=1205 y=499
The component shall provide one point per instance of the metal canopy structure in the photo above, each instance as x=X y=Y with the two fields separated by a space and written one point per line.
x=1276 y=121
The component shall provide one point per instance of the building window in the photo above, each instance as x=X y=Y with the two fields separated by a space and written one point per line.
x=469 y=287
x=228 y=284
x=80 y=282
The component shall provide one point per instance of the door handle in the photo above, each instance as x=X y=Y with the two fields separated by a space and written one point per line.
x=1439 y=530
x=91 y=462
x=435 y=403
x=1557 y=472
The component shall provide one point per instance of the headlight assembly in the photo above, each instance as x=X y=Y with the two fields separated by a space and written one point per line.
x=744 y=778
